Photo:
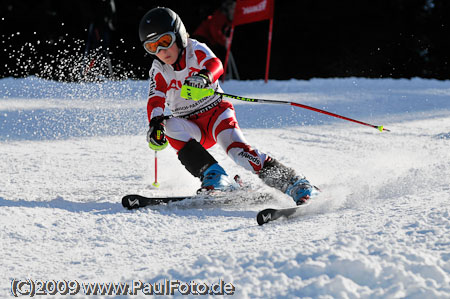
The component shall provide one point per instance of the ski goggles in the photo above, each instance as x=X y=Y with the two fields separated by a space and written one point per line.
x=163 y=41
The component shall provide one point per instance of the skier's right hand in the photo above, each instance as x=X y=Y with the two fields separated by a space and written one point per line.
x=156 y=136
x=201 y=80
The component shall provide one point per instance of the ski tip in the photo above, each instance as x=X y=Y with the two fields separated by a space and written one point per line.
x=264 y=216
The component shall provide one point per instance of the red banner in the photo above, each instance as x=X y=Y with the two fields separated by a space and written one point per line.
x=249 y=11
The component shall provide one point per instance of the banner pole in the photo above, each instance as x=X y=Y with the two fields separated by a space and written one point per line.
x=228 y=53
x=269 y=44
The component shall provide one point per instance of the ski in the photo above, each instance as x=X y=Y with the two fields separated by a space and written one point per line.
x=135 y=201
x=270 y=214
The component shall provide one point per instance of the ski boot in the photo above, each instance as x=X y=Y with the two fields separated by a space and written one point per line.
x=199 y=162
x=215 y=178
x=301 y=190
x=283 y=178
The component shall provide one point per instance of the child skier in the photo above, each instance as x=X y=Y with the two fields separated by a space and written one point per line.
x=196 y=126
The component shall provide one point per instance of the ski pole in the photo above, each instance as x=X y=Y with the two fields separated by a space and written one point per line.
x=193 y=93
x=155 y=183
x=380 y=128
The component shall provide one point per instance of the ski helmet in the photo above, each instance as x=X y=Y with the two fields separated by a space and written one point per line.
x=160 y=20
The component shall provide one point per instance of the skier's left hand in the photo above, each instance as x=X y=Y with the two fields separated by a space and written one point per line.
x=156 y=136
x=200 y=80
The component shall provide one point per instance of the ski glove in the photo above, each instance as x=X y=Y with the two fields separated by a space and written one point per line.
x=202 y=79
x=156 y=136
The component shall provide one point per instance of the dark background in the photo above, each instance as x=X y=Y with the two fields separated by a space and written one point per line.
x=312 y=38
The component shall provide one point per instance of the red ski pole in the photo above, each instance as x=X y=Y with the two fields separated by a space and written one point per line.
x=195 y=93
x=380 y=128
x=155 y=183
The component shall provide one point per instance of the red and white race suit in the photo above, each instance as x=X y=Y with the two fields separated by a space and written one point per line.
x=210 y=120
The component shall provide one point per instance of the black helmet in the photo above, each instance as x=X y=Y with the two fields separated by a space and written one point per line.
x=161 y=20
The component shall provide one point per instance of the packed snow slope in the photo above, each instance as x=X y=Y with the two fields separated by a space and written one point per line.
x=381 y=227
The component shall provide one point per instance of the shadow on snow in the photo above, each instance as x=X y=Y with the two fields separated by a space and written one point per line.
x=104 y=208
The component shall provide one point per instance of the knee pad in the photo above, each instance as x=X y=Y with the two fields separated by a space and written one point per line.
x=195 y=158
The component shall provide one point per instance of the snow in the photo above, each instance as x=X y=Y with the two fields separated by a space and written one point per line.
x=69 y=152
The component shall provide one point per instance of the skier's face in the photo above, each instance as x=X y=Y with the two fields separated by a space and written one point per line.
x=170 y=55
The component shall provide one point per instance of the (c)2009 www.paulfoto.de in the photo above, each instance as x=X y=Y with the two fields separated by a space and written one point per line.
x=31 y=287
